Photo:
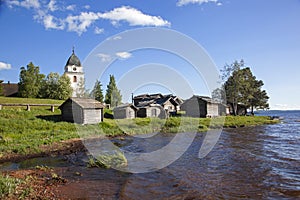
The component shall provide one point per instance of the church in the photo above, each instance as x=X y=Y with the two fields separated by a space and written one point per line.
x=74 y=71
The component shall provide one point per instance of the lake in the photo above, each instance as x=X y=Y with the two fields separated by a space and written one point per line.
x=261 y=162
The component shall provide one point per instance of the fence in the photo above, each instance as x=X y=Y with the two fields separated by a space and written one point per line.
x=52 y=106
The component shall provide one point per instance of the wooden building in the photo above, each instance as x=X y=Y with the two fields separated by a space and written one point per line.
x=152 y=110
x=9 y=89
x=202 y=106
x=146 y=102
x=82 y=111
x=125 y=111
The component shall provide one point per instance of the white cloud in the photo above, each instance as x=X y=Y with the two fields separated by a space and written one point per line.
x=51 y=22
x=108 y=58
x=25 y=3
x=104 y=57
x=115 y=23
x=12 y=3
x=80 y=23
x=71 y=7
x=87 y=7
x=116 y=38
x=4 y=66
x=186 y=2
x=285 y=107
x=52 y=6
x=123 y=55
x=134 y=17
x=98 y=30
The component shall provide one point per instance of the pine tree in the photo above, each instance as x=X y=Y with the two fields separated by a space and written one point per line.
x=243 y=87
x=97 y=92
x=81 y=92
x=113 y=95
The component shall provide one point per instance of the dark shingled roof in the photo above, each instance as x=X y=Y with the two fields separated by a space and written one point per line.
x=122 y=106
x=85 y=103
x=147 y=99
x=10 y=89
x=73 y=60
x=207 y=99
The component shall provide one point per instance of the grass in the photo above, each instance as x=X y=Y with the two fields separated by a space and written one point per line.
x=27 y=132
x=240 y=121
x=24 y=132
x=116 y=159
x=29 y=100
x=8 y=186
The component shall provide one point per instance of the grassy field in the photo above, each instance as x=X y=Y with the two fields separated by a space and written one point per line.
x=26 y=132
x=29 y=100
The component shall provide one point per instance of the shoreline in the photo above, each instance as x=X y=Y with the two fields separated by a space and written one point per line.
x=67 y=147
x=59 y=148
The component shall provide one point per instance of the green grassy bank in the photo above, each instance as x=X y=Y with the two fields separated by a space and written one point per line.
x=29 y=132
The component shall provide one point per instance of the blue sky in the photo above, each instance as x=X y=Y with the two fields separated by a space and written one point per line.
x=266 y=34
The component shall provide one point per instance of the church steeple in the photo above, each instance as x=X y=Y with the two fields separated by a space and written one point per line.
x=73 y=61
x=74 y=71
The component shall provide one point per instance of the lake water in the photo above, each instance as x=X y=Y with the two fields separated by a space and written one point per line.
x=261 y=162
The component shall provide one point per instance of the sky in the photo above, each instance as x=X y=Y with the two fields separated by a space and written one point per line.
x=265 y=34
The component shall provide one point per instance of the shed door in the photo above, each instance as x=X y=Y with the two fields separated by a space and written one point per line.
x=153 y=112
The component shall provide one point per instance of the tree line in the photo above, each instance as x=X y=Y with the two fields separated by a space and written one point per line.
x=240 y=86
x=33 y=84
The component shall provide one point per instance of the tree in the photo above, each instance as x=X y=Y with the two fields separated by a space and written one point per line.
x=56 y=87
x=229 y=69
x=219 y=95
x=49 y=87
x=97 y=92
x=1 y=88
x=232 y=86
x=113 y=95
x=243 y=87
x=64 y=89
x=258 y=98
x=30 y=81
x=80 y=92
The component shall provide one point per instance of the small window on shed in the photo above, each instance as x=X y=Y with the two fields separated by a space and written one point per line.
x=74 y=79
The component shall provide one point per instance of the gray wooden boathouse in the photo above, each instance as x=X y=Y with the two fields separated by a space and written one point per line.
x=82 y=111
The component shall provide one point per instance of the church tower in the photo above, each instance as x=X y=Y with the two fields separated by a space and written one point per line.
x=74 y=71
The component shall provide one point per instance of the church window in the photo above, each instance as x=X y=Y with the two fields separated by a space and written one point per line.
x=74 y=79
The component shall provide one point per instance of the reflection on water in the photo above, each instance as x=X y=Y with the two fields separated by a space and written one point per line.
x=253 y=162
